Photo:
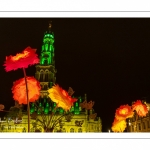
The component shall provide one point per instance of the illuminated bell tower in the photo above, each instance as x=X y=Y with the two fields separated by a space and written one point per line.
x=45 y=71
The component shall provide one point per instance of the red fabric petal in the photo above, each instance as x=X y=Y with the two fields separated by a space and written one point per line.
x=19 y=90
x=21 y=60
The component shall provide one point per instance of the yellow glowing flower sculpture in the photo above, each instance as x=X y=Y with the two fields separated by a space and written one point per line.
x=19 y=90
x=119 y=125
x=124 y=112
x=21 y=60
x=140 y=108
x=61 y=97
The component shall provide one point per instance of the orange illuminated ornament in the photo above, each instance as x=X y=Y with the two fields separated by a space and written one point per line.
x=124 y=112
x=119 y=125
x=87 y=105
x=83 y=104
x=21 y=60
x=2 y=107
x=19 y=90
x=61 y=97
x=140 y=108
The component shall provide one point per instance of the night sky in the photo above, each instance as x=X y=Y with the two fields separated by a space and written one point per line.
x=106 y=58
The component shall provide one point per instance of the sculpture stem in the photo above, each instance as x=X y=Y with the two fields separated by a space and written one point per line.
x=52 y=114
x=28 y=106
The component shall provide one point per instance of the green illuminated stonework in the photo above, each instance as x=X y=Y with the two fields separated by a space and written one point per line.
x=45 y=73
x=47 y=53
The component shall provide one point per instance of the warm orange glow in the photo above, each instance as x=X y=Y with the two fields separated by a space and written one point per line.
x=19 y=90
x=119 y=125
x=124 y=112
x=21 y=60
x=2 y=107
x=93 y=116
x=87 y=105
x=20 y=55
x=83 y=104
x=61 y=97
x=140 y=108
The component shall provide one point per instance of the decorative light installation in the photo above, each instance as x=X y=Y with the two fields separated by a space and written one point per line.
x=119 y=125
x=63 y=100
x=61 y=97
x=23 y=60
x=140 y=108
x=126 y=111
x=19 y=90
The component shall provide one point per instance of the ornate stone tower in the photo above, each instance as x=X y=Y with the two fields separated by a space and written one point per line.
x=45 y=71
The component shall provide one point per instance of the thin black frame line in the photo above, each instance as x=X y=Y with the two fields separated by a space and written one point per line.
x=74 y=11
x=77 y=138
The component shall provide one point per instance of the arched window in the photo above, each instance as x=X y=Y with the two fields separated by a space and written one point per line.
x=71 y=130
x=45 y=87
x=41 y=76
x=46 y=47
x=63 y=130
x=45 y=62
x=46 y=76
x=80 y=130
x=3 y=127
x=9 y=127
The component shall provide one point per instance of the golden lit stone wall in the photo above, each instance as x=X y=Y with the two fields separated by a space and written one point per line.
x=86 y=125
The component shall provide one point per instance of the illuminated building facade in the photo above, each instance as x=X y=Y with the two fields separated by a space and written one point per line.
x=82 y=120
x=139 y=124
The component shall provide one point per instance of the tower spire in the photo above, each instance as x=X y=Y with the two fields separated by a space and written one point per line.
x=49 y=25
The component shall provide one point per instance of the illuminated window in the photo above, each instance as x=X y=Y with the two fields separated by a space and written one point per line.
x=41 y=76
x=46 y=76
x=51 y=48
x=134 y=117
x=148 y=124
x=3 y=126
x=143 y=125
x=9 y=127
x=45 y=87
x=63 y=130
x=45 y=62
x=71 y=130
x=139 y=126
x=46 y=47
x=79 y=130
